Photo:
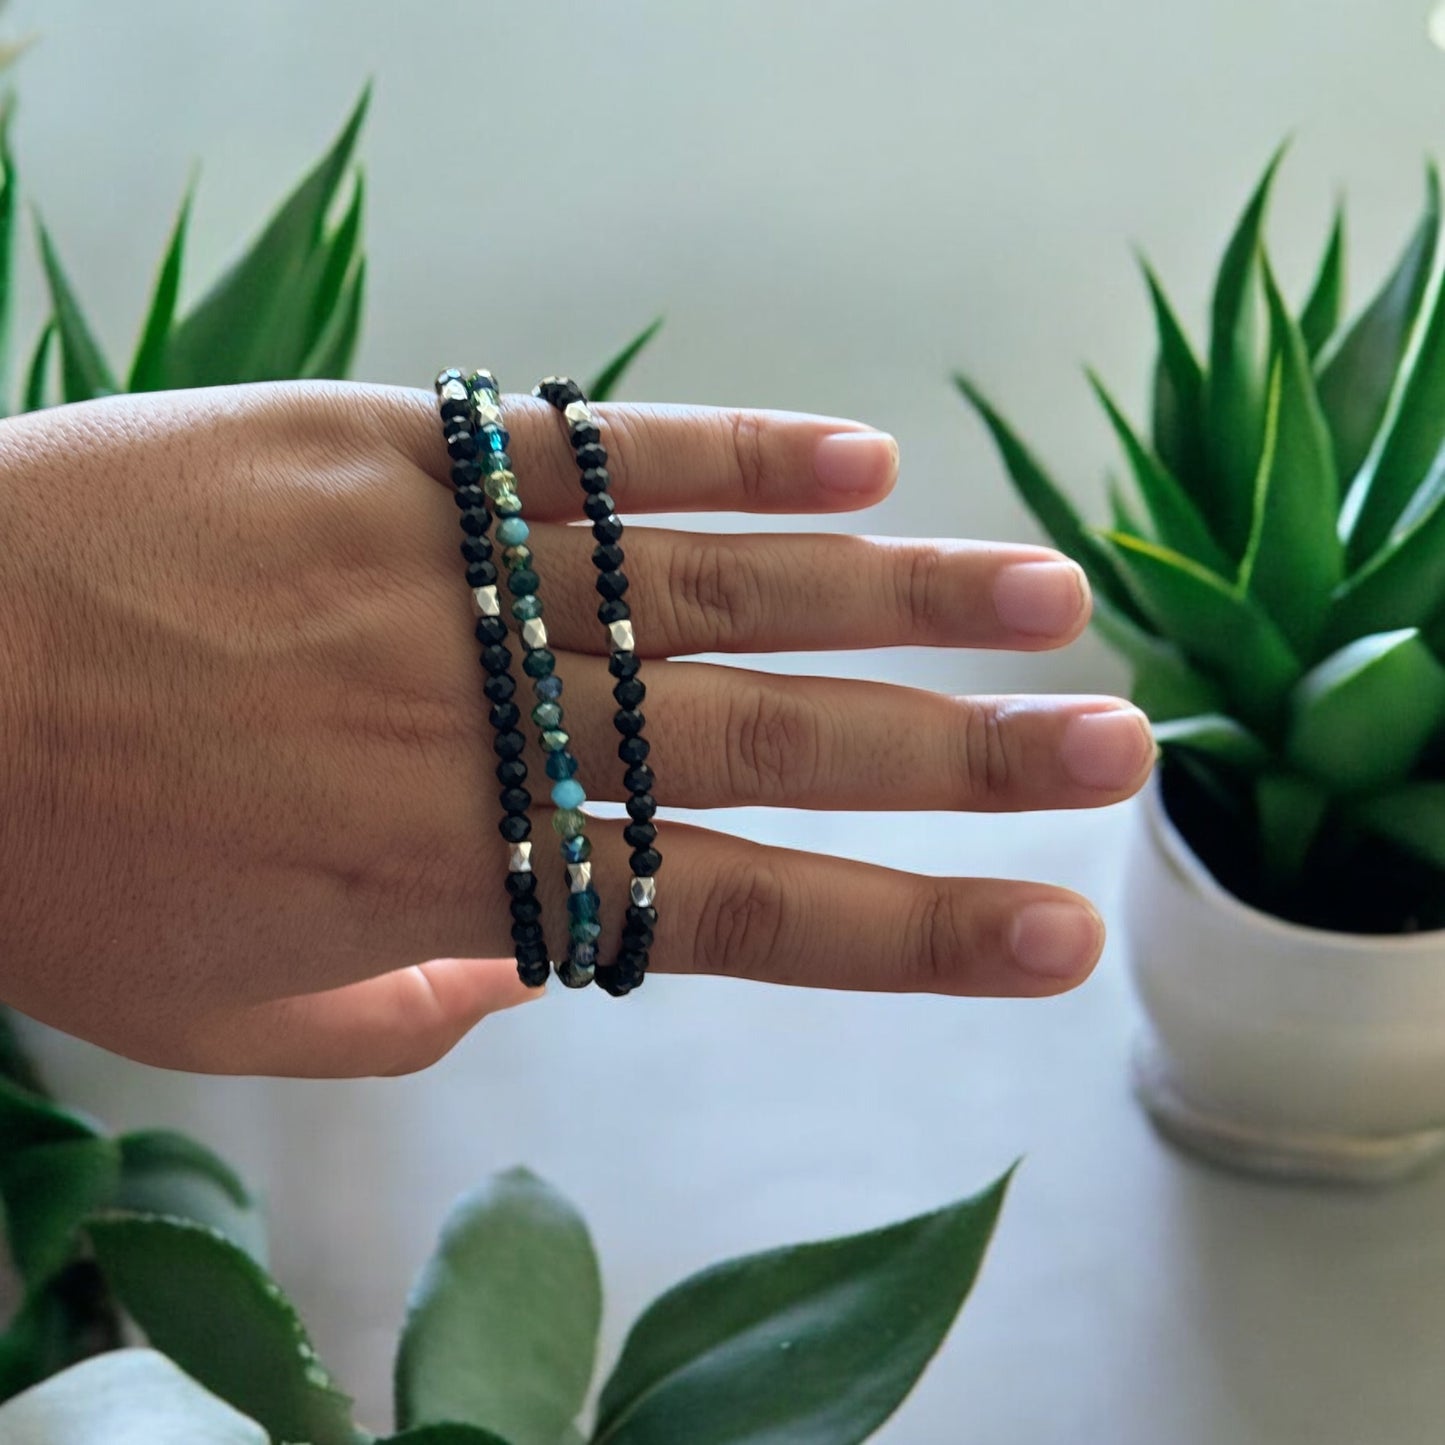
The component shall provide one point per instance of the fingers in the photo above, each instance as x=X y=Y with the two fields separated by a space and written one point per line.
x=692 y=592
x=672 y=458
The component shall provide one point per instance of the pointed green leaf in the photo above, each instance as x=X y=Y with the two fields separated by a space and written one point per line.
x=83 y=369
x=1235 y=387
x=126 y=1397
x=337 y=345
x=1290 y=811
x=208 y=1305
x=48 y=1191
x=8 y=187
x=1412 y=817
x=1179 y=413
x=813 y=1345
x=27 y=1119
x=1361 y=718
x=1123 y=514
x=1358 y=371
x=148 y=369
x=1321 y=315
x=444 y=1435
x=1294 y=560
x=607 y=380
x=1213 y=624
x=1177 y=522
x=35 y=377
x=341 y=251
x=1224 y=739
x=502 y=1324
x=228 y=336
x=1165 y=685
x=1054 y=511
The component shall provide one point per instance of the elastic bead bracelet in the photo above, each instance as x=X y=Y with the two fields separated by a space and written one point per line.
x=500 y=486
x=585 y=436
x=468 y=452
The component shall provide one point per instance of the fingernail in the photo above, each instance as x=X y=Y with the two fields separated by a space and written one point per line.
x=1056 y=940
x=1042 y=599
x=856 y=462
x=1107 y=750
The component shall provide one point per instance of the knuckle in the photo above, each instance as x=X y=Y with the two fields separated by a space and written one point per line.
x=774 y=742
x=942 y=940
x=714 y=599
x=920 y=579
x=983 y=764
x=749 y=456
x=741 y=922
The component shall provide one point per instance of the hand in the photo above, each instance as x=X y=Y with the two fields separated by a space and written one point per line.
x=249 y=817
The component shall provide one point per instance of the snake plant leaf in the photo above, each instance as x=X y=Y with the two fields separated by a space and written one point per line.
x=502 y=1324
x=39 y=370
x=1294 y=560
x=341 y=252
x=1361 y=718
x=84 y=372
x=1165 y=685
x=148 y=369
x=228 y=336
x=1054 y=511
x=1124 y=515
x=1320 y=317
x=1358 y=370
x=606 y=382
x=207 y=1304
x=1290 y=810
x=813 y=1345
x=48 y=1191
x=1217 y=627
x=124 y=1397
x=8 y=188
x=1219 y=735
x=1178 y=412
x=1412 y=817
x=1177 y=522
x=1236 y=383
x=337 y=344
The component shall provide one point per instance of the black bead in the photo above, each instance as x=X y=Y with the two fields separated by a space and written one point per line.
x=532 y=952
x=640 y=835
x=515 y=800
x=482 y=574
x=591 y=455
x=526 y=910
x=645 y=862
x=477 y=549
x=496 y=659
x=503 y=688
x=608 y=557
x=515 y=828
x=642 y=915
x=629 y=693
x=475 y=523
x=624 y=664
x=638 y=779
x=611 y=584
x=504 y=716
x=461 y=445
x=560 y=392
x=634 y=749
x=526 y=932
x=607 y=529
x=641 y=807
x=533 y=972
x=509 y=744
x=490 y=630
x=584 y=433
x=633 y=963
x=521 y=885
x=637 y=935
x=596 y=479
x=628 y=721
x=473 y=497
x=599 y=506
x=445 y=376
x=455 y=411
x=613 y=610
x=466 y=474
x=511 y=772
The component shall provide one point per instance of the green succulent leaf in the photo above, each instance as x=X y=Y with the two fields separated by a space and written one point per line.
x=448 y=1434
x=27 y=1119
x=1412 y=817
x=1294 y=559
x=1213 y=624
x=84 y=371
x=606 y=382
x=1290 y=810
x=814 y=1345
x=1177 y=522
x=1361 y=718
x=1320 y=317
x=124 y=1397
x=502 y=1324
x=1165 y=685
x=48 y=1191
x=8 y=188
x=337 y=343
x=1358 y=371
x=1216 y=734
x=39 y=369
x=230 y=335
x=66 y=1320
x=207 y=1304
x=148 y=369
x=1235 y=386
x=1179 y=407
x=1051 y=507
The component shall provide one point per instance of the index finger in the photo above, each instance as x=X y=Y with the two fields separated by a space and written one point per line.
x=676 y=458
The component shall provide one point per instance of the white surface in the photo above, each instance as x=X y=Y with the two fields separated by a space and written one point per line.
x=1132 y=1296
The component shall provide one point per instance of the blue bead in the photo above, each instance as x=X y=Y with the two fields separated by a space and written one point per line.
x=549 y=689
x=512 y=532
x=568 y=793
x=583 y=906
x=561 y=765
x=496 y=438
x=576 y=850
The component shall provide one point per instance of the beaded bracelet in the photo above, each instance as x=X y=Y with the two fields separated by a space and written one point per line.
x=470 y=462
x=539 y=663
x=585 y=436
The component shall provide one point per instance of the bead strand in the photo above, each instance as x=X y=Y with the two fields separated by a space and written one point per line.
x=640 y=921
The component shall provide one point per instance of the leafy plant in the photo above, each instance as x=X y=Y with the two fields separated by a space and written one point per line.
x=1275 y=576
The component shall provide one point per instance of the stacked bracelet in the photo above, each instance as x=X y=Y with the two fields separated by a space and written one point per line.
x=538 y=662
x=475 y=456
x=585 y=436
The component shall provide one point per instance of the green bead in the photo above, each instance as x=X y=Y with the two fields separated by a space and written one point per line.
x=547 y=715
x=518 y=556
x=569 y=823
x=524 y=609
x=554 y=740
x=584 y=932
x=523 y=581
x=539 y=662
x=499 y=483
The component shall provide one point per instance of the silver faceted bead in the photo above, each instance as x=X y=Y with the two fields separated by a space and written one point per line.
x=486 y=602
x=578 y=413
x=534 y=633
x=519 y=858
x=644 y=891
x=621 y=635
x=454 y=391
x=579 y=877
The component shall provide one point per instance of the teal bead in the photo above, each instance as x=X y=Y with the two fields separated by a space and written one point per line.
x=588 y=932
x=583 y=906
x=577 y=850
x=547 y=715
x=569 y=823
x=523 y=582
x=539 y=662
x=561 y=765
x=568 y=793
x=526 y=609
x=554 y=739
x=512 y=531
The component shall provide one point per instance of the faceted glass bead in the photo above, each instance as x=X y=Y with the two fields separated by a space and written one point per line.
x=508 y=504
x=499 y=482
x=583 y=907
x=523 y=581
x=524 y=609
x=568 y=793
x=584 y=932
x=577 y=850
x=496 y=440
x=569 y=823
x=549 y=689
x=494 y=462
x=512 y=531
x=554 y=740
x=579 y=967
x=547 y=715
x=538 y=663
x=515 y=557
x=561 y=765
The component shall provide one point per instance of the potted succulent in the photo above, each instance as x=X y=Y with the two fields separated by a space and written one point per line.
x=1274 y=572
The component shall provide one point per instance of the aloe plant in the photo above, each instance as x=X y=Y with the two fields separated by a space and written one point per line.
x=1274 y=573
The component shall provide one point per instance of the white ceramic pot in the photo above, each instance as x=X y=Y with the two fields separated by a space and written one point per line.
x=1290 y=1051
